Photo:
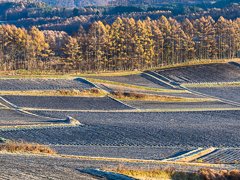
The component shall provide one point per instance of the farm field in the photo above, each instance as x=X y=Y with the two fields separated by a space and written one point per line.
x=129 y=152
x=130 y=129
x=218 y=72
x=178 y=105
x=201 y=129
x=137 y=79
x=183 y=94
x=10 y=117
x=26 y=167
x=226 y=155
x=228 y=93
x=66 y=102
x=41 y=84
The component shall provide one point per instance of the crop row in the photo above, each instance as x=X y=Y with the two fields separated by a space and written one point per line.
x=138 y=80
x=213 y=128
x=221 y=72
x=228 y=93
x=228 y=155
x=66 y=102
x=147 y=153
x=17 y=166
x=41 y=84
x=177 y=105
x=10 y=117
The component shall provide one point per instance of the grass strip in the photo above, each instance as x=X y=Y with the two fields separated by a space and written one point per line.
x=162 y=99
x=197 y=155
x=212 y=84
x=93 y=92
x=169 y=173
x=37 y=77
x=189 y=110
x=34 y=126
x=122 y=159
x=190 y=63
x=110 y=73
x=133 y=86
x=26 y=147
x=154 y=173
x=135 y=96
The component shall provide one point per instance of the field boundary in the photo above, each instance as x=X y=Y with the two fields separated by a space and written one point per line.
x=31 y=127
x=213 y=97
x=83 y=80
x=20 y=110
x=120 y=159
x=132 y=110
x=189 y=153
x=234 y=63
x=121 y=102
x=160 y=80
x=76 y=110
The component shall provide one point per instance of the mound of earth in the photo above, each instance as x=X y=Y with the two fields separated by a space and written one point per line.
x=71 y=120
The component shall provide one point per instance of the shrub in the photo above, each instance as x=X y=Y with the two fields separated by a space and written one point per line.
x=64 y=92
x=119 y=92
x=95 y=91
x=26 y=147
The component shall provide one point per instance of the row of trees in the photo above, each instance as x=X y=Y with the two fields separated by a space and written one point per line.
x=124 y=45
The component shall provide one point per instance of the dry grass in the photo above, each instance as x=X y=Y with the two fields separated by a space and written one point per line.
x=155 y=173
x=133 y=95
x=172 y=173
x=209 y=174
x=35 y=126
x=63 y=92
x=26 y=147
x=110 y=73
x=212 y=85
x=132 y=86
x=194 y=62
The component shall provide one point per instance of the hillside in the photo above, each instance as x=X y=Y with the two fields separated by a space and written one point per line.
x=73 y=3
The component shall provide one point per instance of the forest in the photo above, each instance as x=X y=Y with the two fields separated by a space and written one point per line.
x=125 y=44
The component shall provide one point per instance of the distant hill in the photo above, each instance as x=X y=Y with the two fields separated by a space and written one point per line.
x=74 y=3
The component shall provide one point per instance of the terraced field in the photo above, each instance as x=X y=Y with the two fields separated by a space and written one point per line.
x=227 y=155
x=28 y=167
x=218 y=72
x=66 y=102
x=138 y=80
x=228 y=93
x=213 y=128
x=147 y=153
x=178 y=105
x=9 y=117
x=41 y=84
x=110 y=129
x=111 y=88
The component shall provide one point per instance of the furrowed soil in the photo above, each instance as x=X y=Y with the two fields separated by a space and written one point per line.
x=137 y=80
x=178 y=105
x=66 y=102
x=218 y=72
x=228 y=93
x=201 y=129
x=16 y=166
x=41 y=84
x=147 y=153
x=224 y=155
x=10 y=117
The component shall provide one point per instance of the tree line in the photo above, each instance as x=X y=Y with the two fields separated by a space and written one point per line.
x=125 y=44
